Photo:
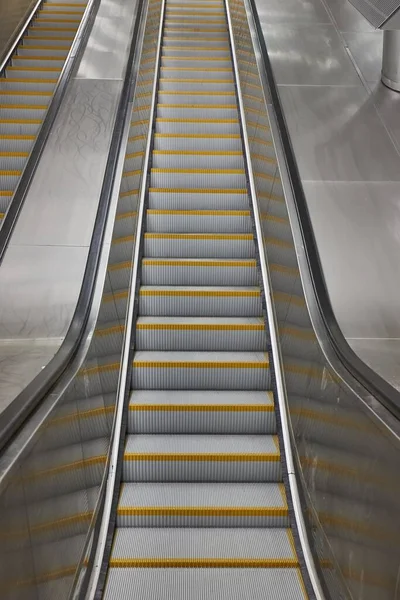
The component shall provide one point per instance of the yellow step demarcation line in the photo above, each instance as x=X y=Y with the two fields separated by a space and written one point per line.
x=197 y=327
x=211 y=136
x=199 y=68
x=34 y=70
x=198 y=152
x=52 y=30
x=151 y=262
x=201 y=408
x=69 y=4
x=199 y=365
x=198 y=39
x=199 y=236
x=193 y=93
x=221 y=121
x=48 y=21
x=66 y=38
x=195 y=49
x=189 y=13
x=41 y=47
x=200 y=293
x=200 y=213
x=14 y=154
x=25 y=80
x=202 y=171
x=198 y=106
x=20 y=121
x=197 y=191
x=170 y=20
x=5 y=194
x=60 y=12
x=202 y=511
x=23 y=93
x=10 y=173
x=199 y=58
x=202 y=563
x=23 y=106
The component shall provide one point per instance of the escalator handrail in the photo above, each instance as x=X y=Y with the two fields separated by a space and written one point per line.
x=16 y=414
x=380 y=389
x=74 y=54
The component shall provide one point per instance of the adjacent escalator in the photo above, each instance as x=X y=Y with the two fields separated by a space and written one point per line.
x=27 y=86
x=203 y=510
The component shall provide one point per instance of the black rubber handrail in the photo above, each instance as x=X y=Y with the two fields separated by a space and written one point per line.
x=380 y=389
x=21 y=191
x=14 y=416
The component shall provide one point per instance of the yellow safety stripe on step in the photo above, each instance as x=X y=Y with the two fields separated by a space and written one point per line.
x=223 y=136
x=60 y=12
x=195 y=49
x=173 y=20
x=202 y=511
x=282 y=492
x=22 y=107
x=198 y=152
x=198 y=327
x=190 y=13
x=199 y=365
x=202 y=171
x=6 y=173
x=199 y=236
x=86 y=372
x=200 y=213
x=14 y=154
x=198 y=106
x=26 y=80
x=198 y=68
x=198 y=263
x=48 y=21
x=201 y=408
x=196 y=191
x=34 y=69
x=194 y=93
x=202 y=5
x=23 y=93
x=200 y=58
x=5 y=194
x=201 y=39
x=200 y=293
x=59 y=38
x=109 y=330
x=51 y=30
x=159 y=120
x=69 y=4
x=203 y=563
x=2 y=215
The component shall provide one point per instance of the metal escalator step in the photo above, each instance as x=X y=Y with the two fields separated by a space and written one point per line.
x=201 y=370
x=200 y=272
x=192 y=111
x=198 y=159
x=202 y=505
x=198 y=178
x=204 y=126
x=200 y=333
x=213 y=458
x=186 y=40
x=22 y=111
x=41 y=85
x=201 y=547
x=177 y=411
x=200 y=199
x=9 y=180
x=65 y=33
x=16 y=143
x=200 y=72
x=218 y=51
x=205 y=583
x=12 y=161
x=19 y=126
x=196 y=85
x=42 y=50
x=24 y=97
x=195 y=61
x=172 y=142
x=33 y=72
x=62 y=41
x=205 y=301
x=199 y=221
x=187 y=245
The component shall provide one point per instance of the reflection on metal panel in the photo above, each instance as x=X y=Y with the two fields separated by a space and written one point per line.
x=13 y=15
x=349 y=464
x=47 y=507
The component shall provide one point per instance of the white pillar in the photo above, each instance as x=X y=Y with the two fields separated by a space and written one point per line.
x=391 y=60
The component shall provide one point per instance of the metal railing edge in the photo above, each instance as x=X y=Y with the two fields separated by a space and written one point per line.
x=13 y=417
x=19 y=33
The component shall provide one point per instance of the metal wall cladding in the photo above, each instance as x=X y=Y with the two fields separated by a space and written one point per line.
x=349 y=462
x=48 y=504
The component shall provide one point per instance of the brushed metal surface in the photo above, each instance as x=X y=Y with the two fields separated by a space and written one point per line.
x=366 y=49
x=346 y=17
x=337 y=135
x=309 y=55
x=292 y=11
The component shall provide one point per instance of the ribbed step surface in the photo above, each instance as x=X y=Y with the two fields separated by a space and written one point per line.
x=202 y=501
x=27 y=86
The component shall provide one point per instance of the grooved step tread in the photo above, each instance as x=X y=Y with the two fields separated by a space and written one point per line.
x=207 y=498
x=217 y=400
x=197 y=547
x=199 y=291
x=206 y=360
x=201 y=323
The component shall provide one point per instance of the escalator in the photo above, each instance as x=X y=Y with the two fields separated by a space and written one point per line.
x=202 y=511
x=27 y=86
